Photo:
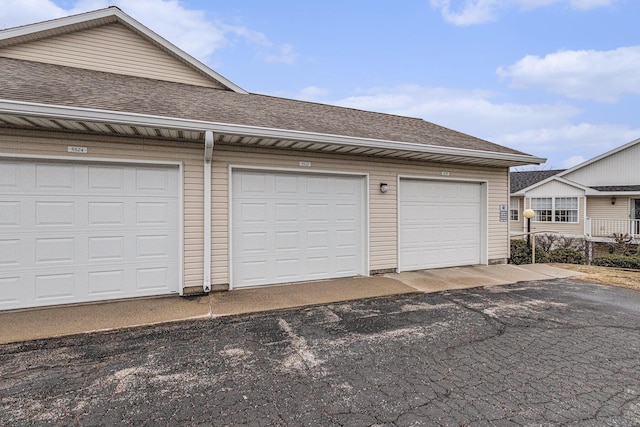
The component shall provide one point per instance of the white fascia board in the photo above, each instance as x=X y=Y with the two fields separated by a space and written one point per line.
x=53 y=24
x=118 y=15
x=133 y=119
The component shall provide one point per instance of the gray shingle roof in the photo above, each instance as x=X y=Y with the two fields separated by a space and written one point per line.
x=58 y=85
x=520 y=180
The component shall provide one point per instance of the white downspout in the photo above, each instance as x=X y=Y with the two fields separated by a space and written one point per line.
x=208 y=155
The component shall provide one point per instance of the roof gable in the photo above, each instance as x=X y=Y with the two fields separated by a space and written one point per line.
x=111 y=41
x=618 y=167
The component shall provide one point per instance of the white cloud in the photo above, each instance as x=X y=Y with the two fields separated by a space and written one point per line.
x=475 y=112
x=20 y=12
x=570 y=142
x=572 y=161
x=312 y=93
x=189 y=29
x=284 y=54
x=546 y=130
x=471 y=12
x=582 y=74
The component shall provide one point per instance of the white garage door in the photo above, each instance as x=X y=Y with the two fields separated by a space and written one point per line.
x=290 y=227
x=76 y=232
x=440 y=224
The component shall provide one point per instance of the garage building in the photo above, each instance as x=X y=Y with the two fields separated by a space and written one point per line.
x=128 y=168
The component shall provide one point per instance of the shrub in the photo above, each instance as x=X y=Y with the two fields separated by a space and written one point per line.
x=620 y=261
x=576 y=243
x=546 y=242
x=621 y=244
x=566 y=256
x=520 y=253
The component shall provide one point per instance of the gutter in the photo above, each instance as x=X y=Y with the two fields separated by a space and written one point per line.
x=208 y=155
x=136 y=119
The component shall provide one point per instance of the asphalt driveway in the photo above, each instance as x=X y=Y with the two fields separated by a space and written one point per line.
x=537 y=353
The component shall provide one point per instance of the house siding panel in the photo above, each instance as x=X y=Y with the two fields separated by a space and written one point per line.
x=109 y=48
x=601 y=208
x=382 y=209
x=620 y=168
x=190 y=154
x=555 y=189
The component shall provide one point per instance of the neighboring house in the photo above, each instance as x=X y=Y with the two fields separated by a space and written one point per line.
x=128 y=168
x=593 y=200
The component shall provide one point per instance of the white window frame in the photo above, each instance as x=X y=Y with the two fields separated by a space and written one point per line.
x=513 y=200
x=554 y=210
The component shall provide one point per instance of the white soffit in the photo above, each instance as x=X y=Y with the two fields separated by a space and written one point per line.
x=62 y=118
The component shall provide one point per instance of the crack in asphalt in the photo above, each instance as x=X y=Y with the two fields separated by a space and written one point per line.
x=536 y=353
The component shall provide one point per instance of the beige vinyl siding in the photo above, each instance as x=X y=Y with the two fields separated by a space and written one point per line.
x=601 y=208
x=620 y=168
x=190 y=154
x=383 y=228
x=110 y=48
x=555 y=189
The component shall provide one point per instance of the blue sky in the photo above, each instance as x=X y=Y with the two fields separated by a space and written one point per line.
x=554 y=78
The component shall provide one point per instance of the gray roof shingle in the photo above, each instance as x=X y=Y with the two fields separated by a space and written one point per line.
x=58 y=85
x=520 y=180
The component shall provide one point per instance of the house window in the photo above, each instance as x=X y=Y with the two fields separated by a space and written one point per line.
x=555 y=209
x=543 y=207
x=514 y=209
x=566 y=209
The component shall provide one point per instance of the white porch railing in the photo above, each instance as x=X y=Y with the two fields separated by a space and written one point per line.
x=595 y=227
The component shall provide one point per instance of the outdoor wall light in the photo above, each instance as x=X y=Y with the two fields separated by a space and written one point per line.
x=613 y=200
x=384 y=187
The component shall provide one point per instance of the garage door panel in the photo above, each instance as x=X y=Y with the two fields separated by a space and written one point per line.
x=10 y=214
x=286 y=185
x=154 y=278
x=9 y=177
x=347 y=239
x=317 y=212
x=252 y=213
x=84 y=232
x=9 y=252
x=55 y=176
x=106 y=213
x=102 y=283
x=318 y=240
x=345 y=263
x=287 y=212
x=288 y=269
x=106 y=179
x=11 y=293
x=150 y=180
x=55 y=214
x=55 y=286
x=439 y=224
x=306 y=225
